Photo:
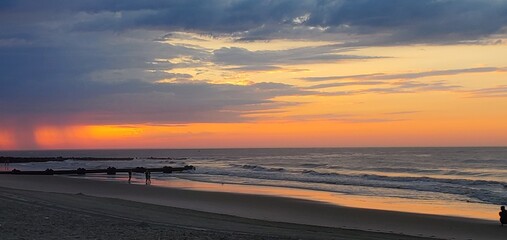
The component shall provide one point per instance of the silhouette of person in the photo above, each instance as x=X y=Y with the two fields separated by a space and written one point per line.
x=130 y=175
x=6 y=165
x=148 y=176
x=503 y=215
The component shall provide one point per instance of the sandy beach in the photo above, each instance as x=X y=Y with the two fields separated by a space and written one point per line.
x=51 y=207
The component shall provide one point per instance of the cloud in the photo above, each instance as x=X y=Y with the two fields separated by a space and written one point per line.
x=414 y=21
x=344 y=118
x=304 y=55
x=396 y=87
x=392 y=21
x=141 y=102
x=412 y=86
x=255 y=68
x=344 y=84
x=360 y=23
x=415 y=75
x=498 y=91
x=438 y=73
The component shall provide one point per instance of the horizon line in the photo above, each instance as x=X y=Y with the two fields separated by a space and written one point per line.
x=233 y=148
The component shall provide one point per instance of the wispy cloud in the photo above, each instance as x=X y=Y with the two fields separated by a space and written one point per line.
x=411 y=86
x=344 y=118
x=305 y=55
x=498 y=91
x=344 y=84
x=254 y=68
x=328 y=78
x=396 y=87
x=413 y=75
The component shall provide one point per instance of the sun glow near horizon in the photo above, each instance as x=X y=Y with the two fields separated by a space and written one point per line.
x=306 y=133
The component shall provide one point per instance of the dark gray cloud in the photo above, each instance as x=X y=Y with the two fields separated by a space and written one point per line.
x=141 y=102
x=400 y=21
x=374 y=22
x=413 y=21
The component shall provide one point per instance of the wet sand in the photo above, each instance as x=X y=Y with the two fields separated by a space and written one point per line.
x=185 y=214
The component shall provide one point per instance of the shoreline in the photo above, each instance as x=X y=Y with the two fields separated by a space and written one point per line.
x=433 y=207
x=268 y=208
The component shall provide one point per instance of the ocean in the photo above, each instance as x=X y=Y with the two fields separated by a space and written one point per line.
x=455 y=176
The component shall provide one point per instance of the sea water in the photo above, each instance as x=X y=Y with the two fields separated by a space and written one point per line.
x=450 y=175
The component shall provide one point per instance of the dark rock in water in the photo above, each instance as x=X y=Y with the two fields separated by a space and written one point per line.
x=81 y=171
x=111 y=171
x=189 y=167
x=167 y=169
x=49 y=171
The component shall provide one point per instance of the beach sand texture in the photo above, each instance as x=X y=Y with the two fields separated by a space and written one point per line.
x=112 y=210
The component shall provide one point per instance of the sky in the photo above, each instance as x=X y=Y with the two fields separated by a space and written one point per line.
x=90 y=74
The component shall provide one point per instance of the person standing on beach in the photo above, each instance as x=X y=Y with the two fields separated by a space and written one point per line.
x=6 y=165
x=147 y=176
x=503 y=215
x=130 y=175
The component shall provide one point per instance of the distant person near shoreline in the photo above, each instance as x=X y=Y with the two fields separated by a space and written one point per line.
x=148 y=176
x=130 y=175
x=6 y=165
x=503 y=215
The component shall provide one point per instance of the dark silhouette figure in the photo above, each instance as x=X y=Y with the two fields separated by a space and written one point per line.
x=503 y=215
x=130 y=175
x=6 y=165
x=148 y=177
